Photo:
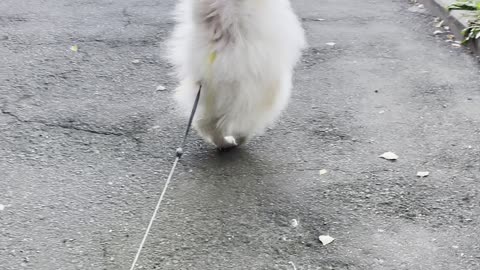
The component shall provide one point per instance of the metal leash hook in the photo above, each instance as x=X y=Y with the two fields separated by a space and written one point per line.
x=179 y=154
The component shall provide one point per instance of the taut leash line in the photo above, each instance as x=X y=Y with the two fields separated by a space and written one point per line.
x=194 y=110
x=179 y=154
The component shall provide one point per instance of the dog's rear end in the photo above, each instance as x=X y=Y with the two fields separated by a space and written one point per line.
x=243 y=52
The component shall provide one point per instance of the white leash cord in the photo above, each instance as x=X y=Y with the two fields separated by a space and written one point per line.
x=179 y=154
x=159 y=203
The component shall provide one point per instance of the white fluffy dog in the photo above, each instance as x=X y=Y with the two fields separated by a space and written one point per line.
x=243 y=52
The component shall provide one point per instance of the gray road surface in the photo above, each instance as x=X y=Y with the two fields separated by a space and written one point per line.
x=86 y=141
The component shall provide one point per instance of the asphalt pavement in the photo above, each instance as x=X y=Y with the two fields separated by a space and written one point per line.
x=87 y=138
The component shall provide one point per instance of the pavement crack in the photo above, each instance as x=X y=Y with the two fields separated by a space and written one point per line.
x=63 y=126
x=3 y=111
x=92 y=131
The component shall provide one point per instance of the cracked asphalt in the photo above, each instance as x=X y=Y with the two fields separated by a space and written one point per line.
x=86 y=142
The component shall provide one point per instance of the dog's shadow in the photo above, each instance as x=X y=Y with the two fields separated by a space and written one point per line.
x=224 y=175
x=233 y=162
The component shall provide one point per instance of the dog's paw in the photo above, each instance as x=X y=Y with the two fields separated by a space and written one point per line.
x=230 y=140
x=228 y=143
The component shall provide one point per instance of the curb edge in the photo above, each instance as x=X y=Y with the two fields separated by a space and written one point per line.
x=456 y=19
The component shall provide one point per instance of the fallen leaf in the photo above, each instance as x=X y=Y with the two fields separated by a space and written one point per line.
x=161 y=88
x=423 y=174
x=451 y=37
x=389 y=156
x=447 y=28
x=330 y=44
x=326 y=239
x=456 y=45
x=74 y=48
x=322 y=172
x=439 y=24
x=437 y=32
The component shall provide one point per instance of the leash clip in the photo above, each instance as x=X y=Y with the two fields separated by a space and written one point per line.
x=179 y=152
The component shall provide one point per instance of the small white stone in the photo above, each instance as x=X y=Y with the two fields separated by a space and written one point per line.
x=2 y=207
x=331 y=44
x=161 y=88
x=389 y=156
x=294 y=223
x=423 y=174
x=326 y=239
x=322 y=172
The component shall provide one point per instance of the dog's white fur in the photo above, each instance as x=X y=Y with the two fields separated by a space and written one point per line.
x=246 y=86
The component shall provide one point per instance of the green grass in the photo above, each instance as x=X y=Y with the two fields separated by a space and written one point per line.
x=472 y=32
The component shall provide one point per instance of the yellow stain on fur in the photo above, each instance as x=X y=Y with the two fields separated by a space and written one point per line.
x=212 y=57
x=271 y=95
x=210 y=61
x=210 y=97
